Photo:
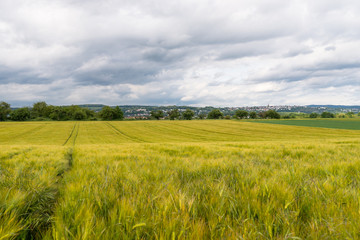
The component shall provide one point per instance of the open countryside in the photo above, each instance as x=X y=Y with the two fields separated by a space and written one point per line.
x=209 y=179
x=352 y=124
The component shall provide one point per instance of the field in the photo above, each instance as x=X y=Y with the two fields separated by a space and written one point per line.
x=351 y=124
x=218 y=179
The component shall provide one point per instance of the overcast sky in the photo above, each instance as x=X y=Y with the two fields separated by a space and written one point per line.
x=203 y=52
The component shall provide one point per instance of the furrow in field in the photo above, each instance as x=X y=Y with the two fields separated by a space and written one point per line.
x=30 y=188
x=71 y=133
x=132 y=138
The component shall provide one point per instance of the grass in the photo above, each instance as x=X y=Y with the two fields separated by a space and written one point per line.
x=351 y=124
x=178 y=180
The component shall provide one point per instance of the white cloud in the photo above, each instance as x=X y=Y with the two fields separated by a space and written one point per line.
x=222 y=53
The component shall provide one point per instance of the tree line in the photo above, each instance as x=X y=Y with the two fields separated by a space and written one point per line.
x=43 y=111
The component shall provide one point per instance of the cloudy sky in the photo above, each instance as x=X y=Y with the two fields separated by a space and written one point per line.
x=203 y=52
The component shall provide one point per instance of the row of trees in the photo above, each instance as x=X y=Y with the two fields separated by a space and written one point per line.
x=42 y=111
x=213 y=114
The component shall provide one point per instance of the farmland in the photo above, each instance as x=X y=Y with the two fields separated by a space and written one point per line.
x=178 y=180
x=351 y=124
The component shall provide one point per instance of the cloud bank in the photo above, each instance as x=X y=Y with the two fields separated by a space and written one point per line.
x=205 y=52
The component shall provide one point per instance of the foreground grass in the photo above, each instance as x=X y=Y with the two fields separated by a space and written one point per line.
x=181 y=180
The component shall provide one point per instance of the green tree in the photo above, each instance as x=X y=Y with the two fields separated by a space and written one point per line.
x=202 y=115
x=5 y=110
x=272 y=114
x=314 y=115
x=20 y=114
x=215 y=114
x=253 y=115
x=241 y=114
x=188 y=114
x=350 y=114
x=107 y=113
x=58 y=113
x=40 y=109
x=157 y=114
x=327 y=115
x=174 y=114
x=118 y=113
x=79 y=115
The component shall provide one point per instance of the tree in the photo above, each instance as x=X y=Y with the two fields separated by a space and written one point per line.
x=40 y=109
x=20 y=114
x=79 y=115
x=108 y=113
x=201 y=115
x=313 y=115
x=174 y=114
x=215 y=114
x=4 y=111
x=253 y=115
x=118 y=113
x=157 y=114
x=350 y=114
x=241 y=114
x=272 y=114
x=57 y=113
x=188 y=114
x=327 y=115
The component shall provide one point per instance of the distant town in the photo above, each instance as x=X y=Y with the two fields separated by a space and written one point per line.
x=143 y=112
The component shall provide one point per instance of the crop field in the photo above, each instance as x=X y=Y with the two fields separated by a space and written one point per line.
x=351 y=124
x=209 y=179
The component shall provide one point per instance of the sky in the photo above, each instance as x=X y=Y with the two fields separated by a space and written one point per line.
x=165 y=52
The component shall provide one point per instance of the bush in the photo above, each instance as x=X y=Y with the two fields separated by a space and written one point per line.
x=272 y=114
x=21 y=114
x=241 y=114
x=327 y=115
x=314 y=115
x=188 y=114
x=215 y=114
x=253 y=115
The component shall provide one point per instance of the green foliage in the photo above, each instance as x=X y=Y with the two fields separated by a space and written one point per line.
x=327 y=115
x=215 y=114
x=253 y=115
x=241 y=114
x=314 y=115
x=188 y=114
x=201 y=115
x=108 y=113
x=174 y=114
x=157 y=114
x=4 y=111
x=350 y=114
x=272 y=114
x=20 y=114
x=40 y=109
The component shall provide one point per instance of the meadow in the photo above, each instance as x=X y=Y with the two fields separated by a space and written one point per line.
x=219 y=179
x=351 y=123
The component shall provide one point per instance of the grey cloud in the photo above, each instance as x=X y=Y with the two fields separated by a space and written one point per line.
x=176 y=52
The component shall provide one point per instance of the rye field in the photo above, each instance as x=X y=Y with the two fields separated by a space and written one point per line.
x=209 y=179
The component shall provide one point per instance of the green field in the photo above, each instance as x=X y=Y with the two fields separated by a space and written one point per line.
x=205 y=179
x=351 y=124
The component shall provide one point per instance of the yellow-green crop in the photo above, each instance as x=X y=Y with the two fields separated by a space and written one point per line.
x=178 y=180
